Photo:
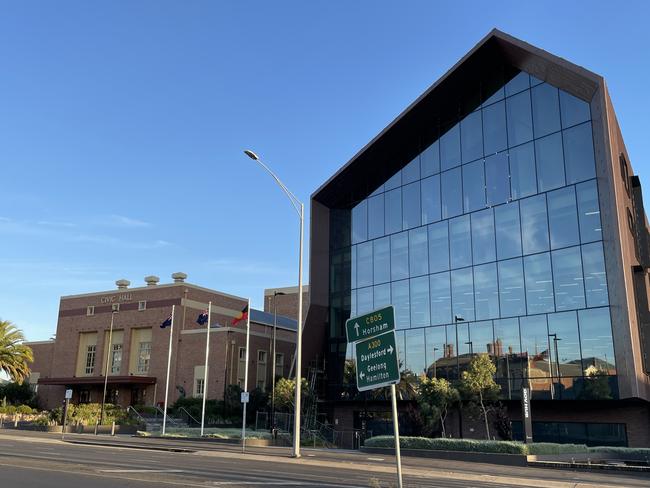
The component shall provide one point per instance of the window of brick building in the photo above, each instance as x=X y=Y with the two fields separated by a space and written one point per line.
x=144 y=356
x=90 y=311
x=142 y=305
x=90 y=358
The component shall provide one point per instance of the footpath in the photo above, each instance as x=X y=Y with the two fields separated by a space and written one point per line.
x=463 y=472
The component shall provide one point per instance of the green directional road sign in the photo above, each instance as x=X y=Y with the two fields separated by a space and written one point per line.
x=370 y=324
x=377 y=363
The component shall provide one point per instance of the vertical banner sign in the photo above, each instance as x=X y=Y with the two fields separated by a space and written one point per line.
x=526 y=415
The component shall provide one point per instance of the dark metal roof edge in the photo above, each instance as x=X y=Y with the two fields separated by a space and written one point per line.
x=495 y=34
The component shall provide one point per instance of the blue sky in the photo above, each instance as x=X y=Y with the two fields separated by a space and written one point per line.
x=122 y=124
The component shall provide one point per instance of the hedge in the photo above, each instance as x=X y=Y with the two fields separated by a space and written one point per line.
x=442 y=444
x=504 y=447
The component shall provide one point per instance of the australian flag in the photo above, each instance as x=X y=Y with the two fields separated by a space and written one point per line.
x=202 y=319
x=167 y=322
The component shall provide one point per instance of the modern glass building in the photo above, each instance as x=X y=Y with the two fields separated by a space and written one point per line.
x=498 y=215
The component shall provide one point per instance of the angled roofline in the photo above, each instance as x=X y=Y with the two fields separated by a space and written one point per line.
x=548 y=67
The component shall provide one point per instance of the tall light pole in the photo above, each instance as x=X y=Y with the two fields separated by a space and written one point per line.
x=109 y=354
x=300 y=209
x=458 y=318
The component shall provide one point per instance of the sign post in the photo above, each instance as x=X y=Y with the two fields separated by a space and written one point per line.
x=526 y=415
x=66 y=403
x=373 y=336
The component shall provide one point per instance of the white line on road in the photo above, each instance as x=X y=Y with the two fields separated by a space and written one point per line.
x=375 y=459
x=141 y=471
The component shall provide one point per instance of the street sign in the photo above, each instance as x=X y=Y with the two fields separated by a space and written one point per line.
x=370 y=324
x=526 y=413
x=377 y=363
x=68 y=394
x=244 y=397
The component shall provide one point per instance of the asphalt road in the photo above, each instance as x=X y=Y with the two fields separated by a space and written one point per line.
x=41 y=460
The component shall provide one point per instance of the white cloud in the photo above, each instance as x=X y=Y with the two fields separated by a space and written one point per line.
x=50 y=223
x=123 y=221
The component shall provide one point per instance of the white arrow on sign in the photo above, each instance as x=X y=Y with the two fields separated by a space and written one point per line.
x=390 y=349
x=356 y=328
x=361 y=375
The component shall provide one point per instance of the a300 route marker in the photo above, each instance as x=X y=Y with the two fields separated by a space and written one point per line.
x=373 y=336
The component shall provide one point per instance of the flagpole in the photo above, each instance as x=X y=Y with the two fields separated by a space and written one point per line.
x=169 y=362
x=248 y=336
x=205 y=375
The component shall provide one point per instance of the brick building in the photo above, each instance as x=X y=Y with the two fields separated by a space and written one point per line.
x=137 y=364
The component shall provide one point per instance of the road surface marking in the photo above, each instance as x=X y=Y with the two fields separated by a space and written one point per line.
x=375 y=459
x=141 y=471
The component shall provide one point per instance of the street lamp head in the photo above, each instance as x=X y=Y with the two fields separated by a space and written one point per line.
x=276 y=293
x=458 y=318
x=251 y=155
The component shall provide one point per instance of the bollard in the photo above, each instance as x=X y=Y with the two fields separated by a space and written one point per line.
x=16 y=421
x=113 y=428
x=96 y=426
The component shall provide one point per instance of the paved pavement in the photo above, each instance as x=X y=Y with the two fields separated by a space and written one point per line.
x=29 y=459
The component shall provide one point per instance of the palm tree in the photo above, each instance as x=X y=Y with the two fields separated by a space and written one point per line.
x=14 y=355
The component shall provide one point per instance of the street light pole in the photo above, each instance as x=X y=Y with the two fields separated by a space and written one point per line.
x=275 y=325
x=458 y=318
x=108 y=357
x=300 y=209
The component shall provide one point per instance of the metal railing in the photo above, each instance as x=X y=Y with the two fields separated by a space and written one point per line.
x=189 y=416
x=170 y=419
x=137 y=414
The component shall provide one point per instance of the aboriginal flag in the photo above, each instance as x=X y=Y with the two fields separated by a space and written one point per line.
x=243 y=315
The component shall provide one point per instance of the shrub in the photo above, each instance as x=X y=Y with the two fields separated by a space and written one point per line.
x=43 y=421
x=24 y=410
x=540 y=448
x=624 y=452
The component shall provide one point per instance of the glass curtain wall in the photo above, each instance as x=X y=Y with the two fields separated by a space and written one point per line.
x=496 y=222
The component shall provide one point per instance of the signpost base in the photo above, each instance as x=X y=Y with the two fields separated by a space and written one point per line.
x=398 y=457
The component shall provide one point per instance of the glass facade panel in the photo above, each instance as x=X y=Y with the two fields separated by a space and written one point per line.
x=438 y=247
x=523 y=176
x=381 y=296
x=376 y=216
x=550 y=162
x=460 y=242
x=579 y=153
x=399 y=291
x=393 y=211
x=473 y=186
x=419 y=289
x=415 y=360
x=450 y=148
x=596 y=341
x=411 y=172
x=574 y=111
x=511 y=288
x=520 y=120
x=494 y=128
x=436 y=342
x=360 y=222
x=364 y=264
x=471 y=137
x=497 y=181
x=381 y=261
x=593 y=262
x=518 y=83
x=430 y=199
x=516 y=266
x=483 y=239
x=508 y=230
x=399 y=256
x=430 y=160
x=567 y=277
x=563 y=218
x=451 y=191
x=411 y=206
x=481 y=339
x=588 y=211
x=462 y=293
x=546 y=109
x=364 y=300
x=534 y=224
x=486 y=291
x=418 y=252
x=539 y=283
x=440 y=290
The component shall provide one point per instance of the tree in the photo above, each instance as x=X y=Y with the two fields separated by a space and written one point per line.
x=479 y=381
x=596 y=385
x=406 y=389
x=436 y=396
x=14 y=355
x=285 y=394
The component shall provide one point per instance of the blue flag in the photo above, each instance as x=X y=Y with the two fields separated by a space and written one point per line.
x=167 y=322
x=202 y=319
